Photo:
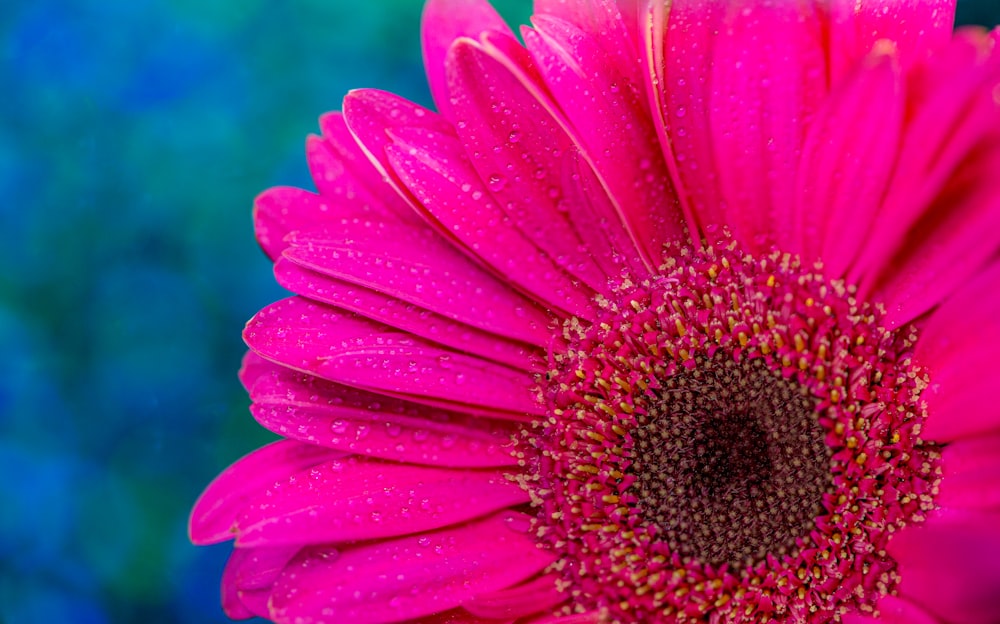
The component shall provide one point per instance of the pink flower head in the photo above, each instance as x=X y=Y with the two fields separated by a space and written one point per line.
x=678 y=312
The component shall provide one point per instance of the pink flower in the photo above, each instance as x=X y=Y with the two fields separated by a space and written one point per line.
x=669 y=315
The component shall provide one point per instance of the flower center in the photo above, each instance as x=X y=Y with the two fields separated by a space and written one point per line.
x=732 y=439
x=730 y=464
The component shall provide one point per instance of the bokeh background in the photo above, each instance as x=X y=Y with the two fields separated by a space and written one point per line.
x=134 y=135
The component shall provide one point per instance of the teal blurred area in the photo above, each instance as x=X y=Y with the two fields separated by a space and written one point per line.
x=134 y=135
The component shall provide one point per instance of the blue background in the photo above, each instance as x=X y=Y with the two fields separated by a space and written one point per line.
x=134 y=135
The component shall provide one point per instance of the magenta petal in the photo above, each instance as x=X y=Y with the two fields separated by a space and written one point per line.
x=354 y=351
x=317 y=411
x=281 y=209
x=957 y=343
x=843 y=174
x=516 y=146
x=971 y=474
x=361 y=499
x=232 y=604
x=893 y=610
x=418 y=267
x=763 y=91
x=607 y=23
x=406 y=316
x=600 y=227
x=949 y=244
x=409 y=577
x=950 y=132
x=915 y=27
x=536 y=596
x=612 y=123
x=436 y=170
x=444 y=21
x=215 y=511
x=248 y=578
x=681 y=90
x=950 y=566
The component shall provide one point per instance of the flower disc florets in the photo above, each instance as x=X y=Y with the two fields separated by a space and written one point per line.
x=732 y=440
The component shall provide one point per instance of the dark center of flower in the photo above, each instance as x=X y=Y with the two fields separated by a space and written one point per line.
x=730 y=463
x=733 y=439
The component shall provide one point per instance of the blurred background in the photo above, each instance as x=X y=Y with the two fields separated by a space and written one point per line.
x=134 y=135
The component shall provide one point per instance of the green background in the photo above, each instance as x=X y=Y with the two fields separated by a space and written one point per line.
x=134 y=135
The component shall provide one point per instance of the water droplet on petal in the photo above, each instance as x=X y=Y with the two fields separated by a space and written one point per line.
x=496 y=182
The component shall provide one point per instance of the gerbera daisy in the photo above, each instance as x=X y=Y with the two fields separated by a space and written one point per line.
x=677 y=312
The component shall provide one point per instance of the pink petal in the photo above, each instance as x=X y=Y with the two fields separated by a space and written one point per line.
x=436 y=170
x=317 y=411
x=598 y=224
x=609 y=25
x=248 y=578
x=444 y=21
x=387 y=437
x=950 y=243
x=418 y=267
x=361 y=499
x=408 y=577
x=341 y=142
x=420 y=154
x=957 y=346
x=515 y=145
x=354 y=351
x=763 y=91
x=916 y=27
x=339 y=182
x=680 y=89
x=893 y=610
x=950 y=566
x=536 y=596
x=971 y=477
x=952 y=115
x=613 y=125
x=282 y=209
x=848 y=156
x=232 y=604
x=214 y=513
x=405 y=316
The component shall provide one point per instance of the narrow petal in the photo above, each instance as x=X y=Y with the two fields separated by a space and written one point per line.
x=536 y=596
x=950 y=566
x=444 y=21
x=510 y=350
x=248 y=578
x=680 y=88
x=971 y=474
x=843 y=174
x=916 y=28
x=952 y=116
x=764 y=90
x=407 y=578
x=355 y=499
x=598 y=223
x=435 y=168
x=214 y=513
x=420 y=153
x=957 y=343
x=516 y=146
x=418 y=267
x=354 y=351
x=313 y=410
x=950 y=243
x=610 y=117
